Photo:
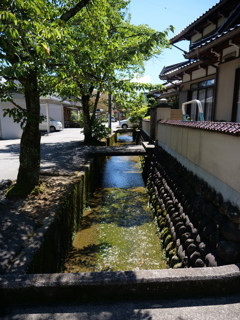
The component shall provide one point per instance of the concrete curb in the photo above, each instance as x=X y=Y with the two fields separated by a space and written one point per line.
x=100 y=286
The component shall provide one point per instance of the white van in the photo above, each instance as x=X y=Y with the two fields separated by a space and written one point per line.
x=127 y=123
x=54 y=125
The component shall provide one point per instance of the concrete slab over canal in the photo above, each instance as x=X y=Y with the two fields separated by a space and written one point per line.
x=124 y=150
x=119 y=150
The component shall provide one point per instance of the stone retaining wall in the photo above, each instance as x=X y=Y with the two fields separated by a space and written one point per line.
x=46 y=250
x=197 y=228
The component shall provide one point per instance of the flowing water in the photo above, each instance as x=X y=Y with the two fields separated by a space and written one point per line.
x=118 y=232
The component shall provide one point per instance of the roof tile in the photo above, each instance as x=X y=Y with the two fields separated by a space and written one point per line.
x=232 y=128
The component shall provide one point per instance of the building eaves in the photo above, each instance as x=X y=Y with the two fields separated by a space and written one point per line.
x=172 y=84
x=174 y=72
x=173 y=67
x=54 y=100
x=180 y=35
x=215 y=39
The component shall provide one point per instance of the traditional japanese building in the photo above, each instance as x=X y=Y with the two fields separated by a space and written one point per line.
x=211 y=71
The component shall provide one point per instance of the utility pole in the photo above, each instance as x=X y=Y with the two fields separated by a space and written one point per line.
x=109 y=110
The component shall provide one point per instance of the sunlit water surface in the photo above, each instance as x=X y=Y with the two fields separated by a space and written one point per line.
x=118 y=232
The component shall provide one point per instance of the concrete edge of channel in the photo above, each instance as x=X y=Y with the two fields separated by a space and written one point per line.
x=99 y=286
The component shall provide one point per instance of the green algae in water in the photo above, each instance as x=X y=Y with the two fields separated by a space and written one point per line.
x=118 y=234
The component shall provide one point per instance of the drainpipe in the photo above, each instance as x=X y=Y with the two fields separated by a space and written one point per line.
x=109 y=110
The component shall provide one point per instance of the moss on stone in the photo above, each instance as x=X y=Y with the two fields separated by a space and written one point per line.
x=164 y=232
x=18 y=191
x=167 y=240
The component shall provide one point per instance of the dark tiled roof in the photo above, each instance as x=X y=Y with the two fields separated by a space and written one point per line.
x=168 y=71
x=213 y=38
x=171 y=69
x=232 y=128
x=173 y=83
x=172 y=40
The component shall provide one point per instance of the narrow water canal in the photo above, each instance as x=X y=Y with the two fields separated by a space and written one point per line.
x=118 y=232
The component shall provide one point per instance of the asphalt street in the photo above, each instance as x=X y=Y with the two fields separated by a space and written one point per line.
x=56 y=150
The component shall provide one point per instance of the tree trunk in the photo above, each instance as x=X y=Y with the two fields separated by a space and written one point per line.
x=87 y=126
x=28 y=174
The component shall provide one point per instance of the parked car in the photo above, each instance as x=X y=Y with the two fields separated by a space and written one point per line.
x=113 y=119
x=54 y=125
x=127 y=123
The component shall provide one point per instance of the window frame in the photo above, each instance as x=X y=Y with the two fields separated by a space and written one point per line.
x=198 y=88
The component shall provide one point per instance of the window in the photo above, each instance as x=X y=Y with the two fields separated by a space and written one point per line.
x=204 y=92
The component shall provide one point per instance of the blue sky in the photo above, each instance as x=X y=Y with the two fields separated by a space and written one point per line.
x=159 y=14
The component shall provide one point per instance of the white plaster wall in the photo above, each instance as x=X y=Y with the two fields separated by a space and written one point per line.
x=186 y=77
x=146 y=126
x=196 y=37
x=163 y=114
x=55 y=111
x=12 y=130
x=225 y=89
x=221 y=21
x=211 y=70
x=209 y=29
x=8 y=128
x=198 y=74
x=212 y=156
x=230 y=50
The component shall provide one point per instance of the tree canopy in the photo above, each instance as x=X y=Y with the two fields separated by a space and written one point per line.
x=27 y=55
x=71 y=48
x=106 y=51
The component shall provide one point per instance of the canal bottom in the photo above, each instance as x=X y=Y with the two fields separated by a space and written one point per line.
x=118 y=231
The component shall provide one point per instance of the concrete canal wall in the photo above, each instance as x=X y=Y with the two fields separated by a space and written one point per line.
x=124 y=286
x=45 y=252
x=187 y=244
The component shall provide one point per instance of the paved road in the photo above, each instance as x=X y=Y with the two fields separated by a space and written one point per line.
x=52 y=144
x=56 y=150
